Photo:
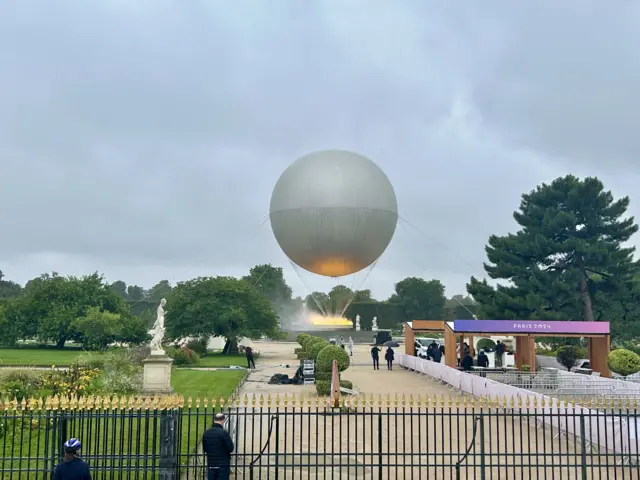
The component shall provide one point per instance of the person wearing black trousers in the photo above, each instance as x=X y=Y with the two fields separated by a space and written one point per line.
x=375 y=355
x=248 y=351
x=389 y=356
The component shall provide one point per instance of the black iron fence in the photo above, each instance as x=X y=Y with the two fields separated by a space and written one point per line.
x=302 y=438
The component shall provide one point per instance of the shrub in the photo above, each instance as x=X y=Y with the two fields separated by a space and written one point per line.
x=567 y=356
x=183 y=356
x=623 y=362
x=547 y=352
x=486 y=344
x=303 y=356
x=346 y=384
x=301 y=338
x=138 y=354
x=121 y=374
x=20 y=384
x=330 y=353
x=323 y=388
x=74 y=382
x=315 y=349
x=298 y=350
x=198 y=345
x=311 y=341
x=323 y=376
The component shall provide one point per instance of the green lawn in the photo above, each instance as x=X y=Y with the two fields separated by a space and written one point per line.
x=222 y=360
x=40 y=357
x=210 y=384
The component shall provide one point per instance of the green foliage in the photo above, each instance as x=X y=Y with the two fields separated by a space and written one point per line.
x=337 y=300
x=160 y=290
x=97 y=329
x=311 y=341
x=76 y=381
x=323 y=388
x=315 y=349
x=485 y=344
x=303 y=356
x=20 y=383
x=346 y=384
x=623 y=362
x=330 y=353
x=323 y=376
x=219 y=306
x=300 y=338
x=182 y=356
x=199 y=345
x=298 y=350
x=568 y=260
x=420 y=299
x=567 y=356
x=50 y=304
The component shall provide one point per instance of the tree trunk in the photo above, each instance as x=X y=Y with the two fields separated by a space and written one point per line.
x=586 y=298
x=231 y=347
x=60 y=343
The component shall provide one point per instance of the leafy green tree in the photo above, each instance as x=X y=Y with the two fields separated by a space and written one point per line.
x=270 y=282
x=219 y=306
x=135 y=293
x=119 y=287
x=569 y=252
x=420 y=299
x=50 y=304
x=160 y=290
x=317 y=302
x=97 y=329
x=8 y=289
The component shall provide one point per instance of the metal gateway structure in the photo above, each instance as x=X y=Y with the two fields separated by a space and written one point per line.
x=303 y=438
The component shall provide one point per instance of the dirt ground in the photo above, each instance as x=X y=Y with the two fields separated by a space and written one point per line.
x=311 y=441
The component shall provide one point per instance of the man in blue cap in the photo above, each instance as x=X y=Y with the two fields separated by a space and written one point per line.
x=72 y=466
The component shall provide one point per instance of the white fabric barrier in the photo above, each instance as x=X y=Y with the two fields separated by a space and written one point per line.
x=604 y=430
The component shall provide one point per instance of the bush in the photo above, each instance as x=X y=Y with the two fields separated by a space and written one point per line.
x=486 y=344
x=346 y=384
x=567 y=356
x=623 y=362
x=301 y=338
x=77 y=381
x=183 y=356
x=324 y=376
x=315 y=349
x=547 y=352
x=198 y=345
x=323 y=388
x=20 y=384
x=311 y=341
x=303 y=356
x=330 y=353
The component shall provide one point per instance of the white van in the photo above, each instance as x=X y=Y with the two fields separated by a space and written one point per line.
x=422 y=345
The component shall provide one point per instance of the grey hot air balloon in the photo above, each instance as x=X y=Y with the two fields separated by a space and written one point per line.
x=333 y=212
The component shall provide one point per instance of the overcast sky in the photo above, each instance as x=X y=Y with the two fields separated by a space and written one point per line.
x=143 y=138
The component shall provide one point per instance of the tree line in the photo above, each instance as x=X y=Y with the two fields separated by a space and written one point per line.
x=570 y=259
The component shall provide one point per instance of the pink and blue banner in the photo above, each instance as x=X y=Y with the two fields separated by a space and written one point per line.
x=531 y=326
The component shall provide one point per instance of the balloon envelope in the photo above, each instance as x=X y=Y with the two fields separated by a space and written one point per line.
x=333 y=212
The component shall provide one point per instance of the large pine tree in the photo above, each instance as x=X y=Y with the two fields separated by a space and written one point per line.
x=568 y=253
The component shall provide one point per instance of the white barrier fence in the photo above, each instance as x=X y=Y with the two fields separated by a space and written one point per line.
x=619 y=433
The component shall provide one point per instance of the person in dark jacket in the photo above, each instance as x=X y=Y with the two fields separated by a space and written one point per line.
x=467 y=362
x=217 y=446
x=389 y=356
x=483 y=360
x=248 y=351
x=436 y=356
x=72 y=466
x=375 y=355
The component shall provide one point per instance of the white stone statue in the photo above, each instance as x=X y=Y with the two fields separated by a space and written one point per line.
x=374 y=324
x=158 y=330
x=357 y=323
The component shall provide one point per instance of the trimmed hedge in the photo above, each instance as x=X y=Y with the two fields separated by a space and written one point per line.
x=323 y=387
x=303 y=356
x=323 y=376
x=623 y=362
x=300 y=338
x=330 y=353
x=298 y=350
x=316 y=348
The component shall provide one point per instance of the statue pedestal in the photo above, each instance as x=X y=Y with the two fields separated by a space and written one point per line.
x=157 y=373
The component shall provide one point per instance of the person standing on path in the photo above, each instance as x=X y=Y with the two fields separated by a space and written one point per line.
x=375 y=355
x=389 y=356
x=350 y=346
x=217 y=446
x=72 y=466
x=499 y=353
x=248 y=351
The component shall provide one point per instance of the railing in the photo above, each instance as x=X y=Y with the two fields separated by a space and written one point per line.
x=607 y=429
x=301 y=438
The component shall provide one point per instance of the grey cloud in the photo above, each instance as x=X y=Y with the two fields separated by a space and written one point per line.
x=141 y=138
